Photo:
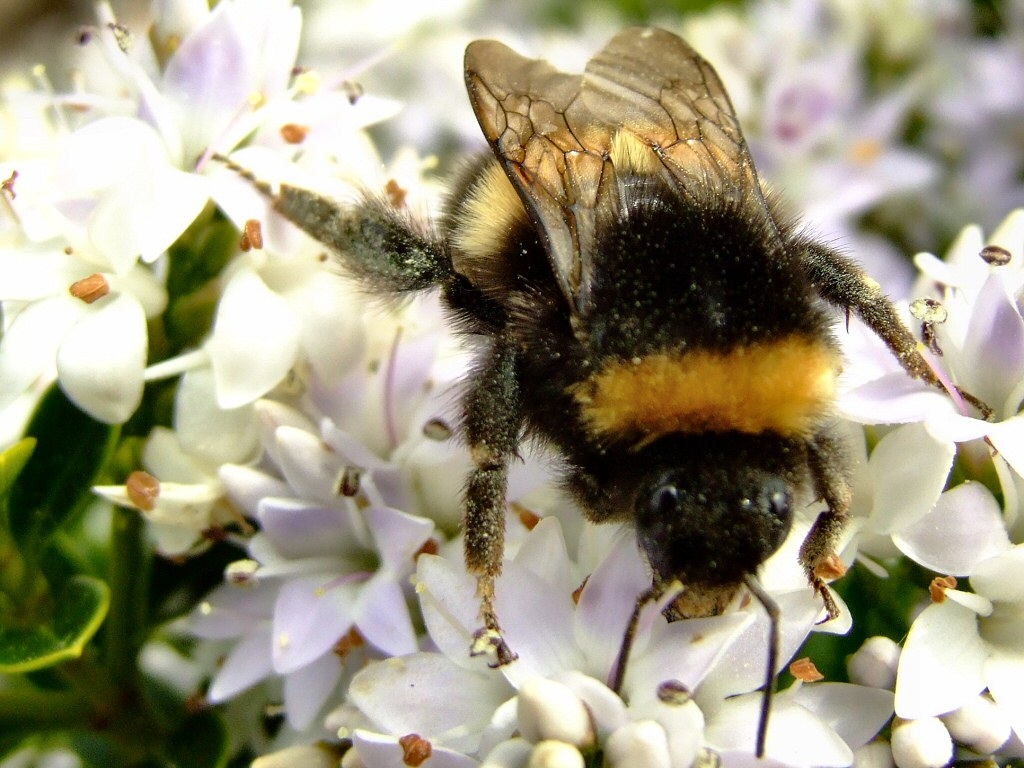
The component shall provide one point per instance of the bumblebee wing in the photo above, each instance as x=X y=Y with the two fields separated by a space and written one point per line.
x=658 y=87
x=554 y=133
x=553 y=150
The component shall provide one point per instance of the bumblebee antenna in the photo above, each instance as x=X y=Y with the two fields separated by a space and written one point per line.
x=661 y=596
x=772 y=609
x=619 y=668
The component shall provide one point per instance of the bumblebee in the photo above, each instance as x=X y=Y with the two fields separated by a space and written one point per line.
x=642 y=306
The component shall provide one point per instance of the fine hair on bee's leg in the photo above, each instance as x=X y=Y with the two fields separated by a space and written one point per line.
x=386 y=249
x=840 y=282
x=492 y=421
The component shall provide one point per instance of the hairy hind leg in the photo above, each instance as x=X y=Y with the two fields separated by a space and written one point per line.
x=493 y=420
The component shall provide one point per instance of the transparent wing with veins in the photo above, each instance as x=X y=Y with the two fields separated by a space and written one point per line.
x=554 y=131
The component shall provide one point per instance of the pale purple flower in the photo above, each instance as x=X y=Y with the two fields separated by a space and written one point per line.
x=573 y=641
x=324 y=569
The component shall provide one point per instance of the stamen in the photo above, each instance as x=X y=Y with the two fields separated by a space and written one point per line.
x=91 y=288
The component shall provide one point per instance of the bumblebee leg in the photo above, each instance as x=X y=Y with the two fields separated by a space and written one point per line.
x=493 y=419
x=383 y=247
x=818 y=552
x=842 y=283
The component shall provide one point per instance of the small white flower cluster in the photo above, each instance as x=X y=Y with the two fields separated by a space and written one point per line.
x=84 y=274
x=978 y=725
x=964 y=653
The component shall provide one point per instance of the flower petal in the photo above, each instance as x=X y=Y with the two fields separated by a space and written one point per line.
x=232 y=611
x=544 y=553
x=208 y=431
x=607 y=601
x=742 y=666
x=309 y=619
x=965 y=528
x=450 y=608
x=903 y=490
x=1008 y=438
x=102 y=358
x=537 y=622
x=310 y=468
x=383 y=618
x=379 y=751
x=894 y=398
x=209 y=79
x=300 y=529
x=994 y=347
x=306 y=690
x=428 y=694
x=145 y=212
x=246 y=664
x=1004 y=673
x=682 y=650
x=331 y=320
x=255 y=340
x=942 y=662
x=29 y=345
x=398 y=536
x=1001 y=578
x=796 y=736
x=855 y=712
x=247 y=486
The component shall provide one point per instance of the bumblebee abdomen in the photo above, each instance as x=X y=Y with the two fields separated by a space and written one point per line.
x=783 y=386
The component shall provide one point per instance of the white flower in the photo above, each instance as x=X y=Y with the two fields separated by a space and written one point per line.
x=126 y=174
x=966 y=642
x=74 y=318
x=181 y=499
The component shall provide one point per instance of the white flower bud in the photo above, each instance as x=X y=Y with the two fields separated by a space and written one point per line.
x=555 y=754
x=549 y=710
x=306 y=755
x=511 y=753
x=922 y=743
x=875 y=754
x=979 y=724
x=641 y=744
x=351 y=759
x=875 y=663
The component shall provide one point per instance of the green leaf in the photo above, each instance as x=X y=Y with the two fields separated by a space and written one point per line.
x=12 y=461
x=78 y=613
x=70 y=449
x=200 y=742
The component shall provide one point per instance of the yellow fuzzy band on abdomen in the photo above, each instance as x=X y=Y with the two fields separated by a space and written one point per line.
x=784 y=386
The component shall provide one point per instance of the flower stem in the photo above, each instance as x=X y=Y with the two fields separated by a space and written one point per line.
x=42 y=709
x=129 y=577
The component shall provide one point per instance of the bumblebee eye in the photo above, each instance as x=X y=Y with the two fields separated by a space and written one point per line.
x=665 y=500
x=778 y=505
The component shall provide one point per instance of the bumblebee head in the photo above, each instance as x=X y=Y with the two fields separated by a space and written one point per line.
x=710 y=511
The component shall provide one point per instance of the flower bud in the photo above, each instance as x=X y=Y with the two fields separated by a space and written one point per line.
x=640 y=744
x=549 y=710
x=511 y=753
x=306 y=755
x=875 y=662
x=875 y=754
x=555 y=754
x=922 y=743
x=979 y=724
